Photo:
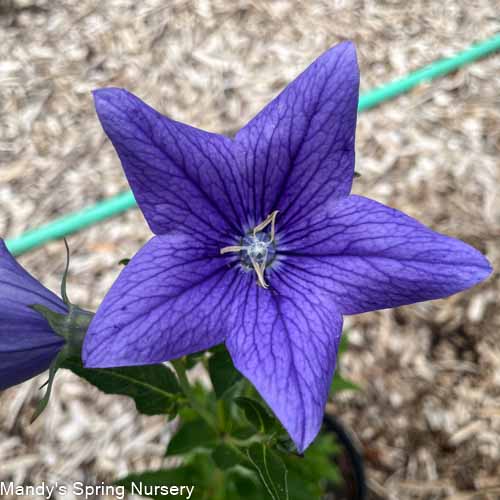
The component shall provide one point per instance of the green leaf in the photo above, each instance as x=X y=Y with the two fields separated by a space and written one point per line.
x=272 y=471
x=192 y=435
x=309 y=476
x=124 y=262
x=340 y=384
x=154 y=388
x=344 y=344
x=161 y=483
x=226 y=456
x=242 y=431
x=256 y=414
x=222 y=372
x=246 y=483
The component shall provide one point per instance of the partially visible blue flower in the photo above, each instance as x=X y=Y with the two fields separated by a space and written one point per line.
x=260 y=245
x=28 y=345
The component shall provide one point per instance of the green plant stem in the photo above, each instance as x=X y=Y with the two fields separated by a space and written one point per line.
x=180 y=370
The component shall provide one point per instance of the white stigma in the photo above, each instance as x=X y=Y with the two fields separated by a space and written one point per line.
x=255 y=248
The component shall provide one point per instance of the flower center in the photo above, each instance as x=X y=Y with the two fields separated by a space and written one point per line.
x=257 y=249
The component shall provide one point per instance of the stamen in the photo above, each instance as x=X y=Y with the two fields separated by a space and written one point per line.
x=259 y=271
x=231 y=248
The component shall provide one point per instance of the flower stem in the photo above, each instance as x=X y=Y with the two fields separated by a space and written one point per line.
x=180 y=370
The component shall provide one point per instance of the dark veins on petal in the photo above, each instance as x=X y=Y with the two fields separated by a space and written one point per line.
x=285 y=341
x=172 y=299
x=184 y=179
x=369 y=256
x=299 y=149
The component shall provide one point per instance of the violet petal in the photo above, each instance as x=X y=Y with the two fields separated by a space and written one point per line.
x=183 y=178
x=370 y=256
x=172 y=299
x=285 y=342
x=299 y=150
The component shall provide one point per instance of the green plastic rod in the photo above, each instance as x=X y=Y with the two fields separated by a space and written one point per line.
x=439 y=68
x=71 y=223
x=118 y=204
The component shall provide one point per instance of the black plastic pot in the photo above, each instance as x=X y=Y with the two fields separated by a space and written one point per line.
x=350 y=463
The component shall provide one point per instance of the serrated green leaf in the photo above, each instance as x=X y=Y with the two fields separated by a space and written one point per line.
x=340 y=384
x=154 y=388
x=256 y=414
x=271 y=469
x=192 y=435
x=163 y=480
x=226 y=456
x=222 y=372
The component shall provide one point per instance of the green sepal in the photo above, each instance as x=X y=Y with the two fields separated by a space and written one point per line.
x=222 y=372
x=271 y=469
x=54 y=366
x=124 y=262
x=71 y=326
x=257 y=415
x=154 y=388
x=192 y=435
x=64 y=294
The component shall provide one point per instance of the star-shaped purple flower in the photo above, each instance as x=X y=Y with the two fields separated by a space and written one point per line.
x=28 y=345
x=259 y=244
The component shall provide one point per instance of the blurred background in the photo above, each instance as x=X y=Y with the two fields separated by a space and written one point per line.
x=428 y=415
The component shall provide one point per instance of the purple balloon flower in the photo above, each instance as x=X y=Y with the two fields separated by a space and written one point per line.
x=260 y=244
x=27 y=342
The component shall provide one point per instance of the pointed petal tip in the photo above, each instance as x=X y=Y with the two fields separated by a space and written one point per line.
x=348 y=48
x=107 y=98
x=348 y=45
x=108 y=92
x=471 y=266
x=288 y=354
x=483 y=265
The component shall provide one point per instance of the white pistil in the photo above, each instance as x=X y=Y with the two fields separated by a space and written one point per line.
x=258 y=248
